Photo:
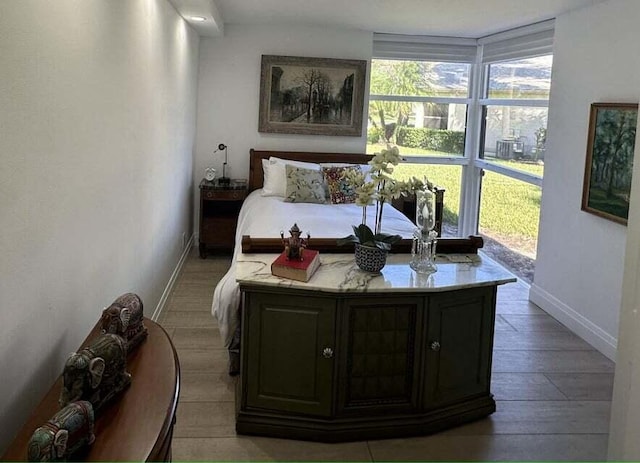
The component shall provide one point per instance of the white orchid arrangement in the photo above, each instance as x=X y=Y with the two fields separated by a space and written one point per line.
x=380 y=189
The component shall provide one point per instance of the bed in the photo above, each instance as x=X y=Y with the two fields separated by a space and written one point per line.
x=262 y=218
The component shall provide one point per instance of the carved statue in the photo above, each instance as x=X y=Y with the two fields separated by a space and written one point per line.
x=125 y=317
x=294 y=245
x=64 y=434
x=97 y=372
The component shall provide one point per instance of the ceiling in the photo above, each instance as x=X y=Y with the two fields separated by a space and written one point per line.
x=452 y=18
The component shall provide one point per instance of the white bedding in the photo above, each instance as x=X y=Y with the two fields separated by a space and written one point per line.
x=265 y=216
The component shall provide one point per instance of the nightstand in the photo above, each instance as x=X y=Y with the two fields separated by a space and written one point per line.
x=219 y=209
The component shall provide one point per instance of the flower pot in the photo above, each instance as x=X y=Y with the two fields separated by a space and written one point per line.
x=370 y=259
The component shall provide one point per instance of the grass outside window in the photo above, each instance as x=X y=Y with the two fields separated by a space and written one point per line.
x=510 y=208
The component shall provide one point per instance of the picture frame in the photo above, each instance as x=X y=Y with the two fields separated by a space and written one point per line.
x=311 y=96
x=609 y=161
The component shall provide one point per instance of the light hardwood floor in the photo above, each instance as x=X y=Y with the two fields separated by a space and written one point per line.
x=553 y=391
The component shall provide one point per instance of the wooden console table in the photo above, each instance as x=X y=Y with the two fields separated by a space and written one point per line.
x=138 y=424
x=351 y=355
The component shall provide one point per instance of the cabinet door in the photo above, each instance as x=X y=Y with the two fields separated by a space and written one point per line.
x=289 y=359
x=378 y=353
x=459 y=345
x=218 y=219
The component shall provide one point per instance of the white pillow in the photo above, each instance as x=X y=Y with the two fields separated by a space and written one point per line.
x=275 y=175
x=304 y=165
x=274 y=182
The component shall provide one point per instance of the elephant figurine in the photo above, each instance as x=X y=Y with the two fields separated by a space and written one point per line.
x=64 y=434
x=97 y=372
x=125 y=318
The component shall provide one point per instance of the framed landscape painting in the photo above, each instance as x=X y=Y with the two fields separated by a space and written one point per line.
x=311 y=96
x=609 y=166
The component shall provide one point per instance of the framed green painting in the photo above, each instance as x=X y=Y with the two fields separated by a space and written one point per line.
x=609 y=164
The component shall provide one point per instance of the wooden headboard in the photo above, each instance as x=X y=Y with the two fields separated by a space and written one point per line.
x=256 y=176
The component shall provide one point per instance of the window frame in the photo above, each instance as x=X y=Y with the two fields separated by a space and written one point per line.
x=521 y=43
x=463 y=160
x=484 y=103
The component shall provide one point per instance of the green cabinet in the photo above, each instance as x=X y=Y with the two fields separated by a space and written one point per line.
x=352 y=366
x=459 y=343
x=290 y=353
x=378 y=353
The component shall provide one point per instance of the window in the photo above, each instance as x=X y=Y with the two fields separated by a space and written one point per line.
x=515 y=113
x=513 y=138
x=421 y=106
x=509 y=213
x=520 y=79
x=419 y=100
x=471 y=115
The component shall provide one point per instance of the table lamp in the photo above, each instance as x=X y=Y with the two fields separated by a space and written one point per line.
x=224 y=180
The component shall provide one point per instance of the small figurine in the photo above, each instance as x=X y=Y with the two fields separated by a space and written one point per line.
x=97 y=372
x=125 y=317
x=294 y=245
x=64 y=434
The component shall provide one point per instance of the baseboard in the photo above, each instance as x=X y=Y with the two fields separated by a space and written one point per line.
x=172 y=281
x=587 y=330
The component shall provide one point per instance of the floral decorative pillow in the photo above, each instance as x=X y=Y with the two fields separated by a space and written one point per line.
x=304 y=186
x=340 y=192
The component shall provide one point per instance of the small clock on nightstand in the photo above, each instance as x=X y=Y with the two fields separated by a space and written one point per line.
x=209 y=174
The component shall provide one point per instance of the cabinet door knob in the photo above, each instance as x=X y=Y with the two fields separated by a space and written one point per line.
x=435 y=346
x=327 y=352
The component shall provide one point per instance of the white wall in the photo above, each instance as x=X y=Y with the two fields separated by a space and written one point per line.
x=625 y=410
x=229 y=91
x=97 y=122
x=580 y=259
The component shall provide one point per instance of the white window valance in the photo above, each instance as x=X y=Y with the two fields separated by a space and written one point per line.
x=424 y=48
x=522 y=42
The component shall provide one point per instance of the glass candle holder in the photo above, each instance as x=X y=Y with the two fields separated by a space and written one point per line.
x=425 y=210
x=423 y=250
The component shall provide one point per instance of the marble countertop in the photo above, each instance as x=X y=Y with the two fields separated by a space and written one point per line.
x=339 y=273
